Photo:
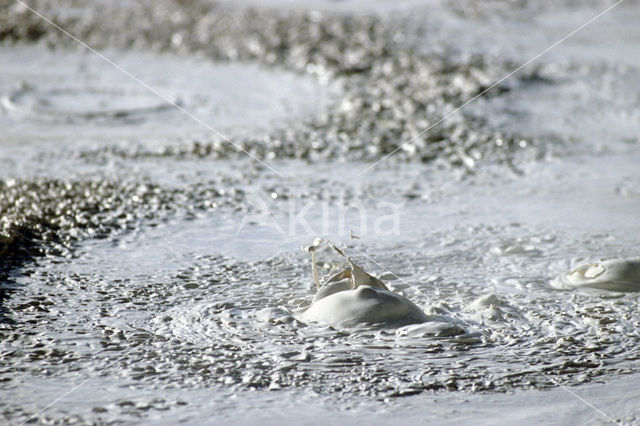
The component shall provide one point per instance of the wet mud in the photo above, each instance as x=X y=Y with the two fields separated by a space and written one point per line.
x=143 y=251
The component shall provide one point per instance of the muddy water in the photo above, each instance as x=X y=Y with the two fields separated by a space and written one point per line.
x=149 y=261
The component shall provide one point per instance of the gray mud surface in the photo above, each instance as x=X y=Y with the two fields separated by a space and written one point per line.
x=152 y=256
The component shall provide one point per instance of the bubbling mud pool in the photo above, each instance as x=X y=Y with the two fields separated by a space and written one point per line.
x=161 y=272
x=174 y=316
